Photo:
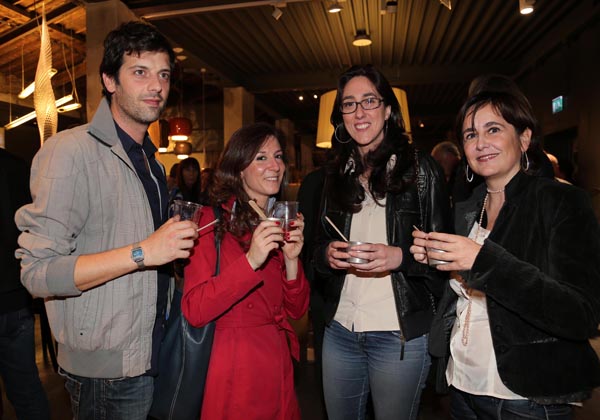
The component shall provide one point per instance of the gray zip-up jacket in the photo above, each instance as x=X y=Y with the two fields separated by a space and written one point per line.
x=87 y=198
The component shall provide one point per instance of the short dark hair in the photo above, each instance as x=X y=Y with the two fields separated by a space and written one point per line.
x=238 y=154
x=515 y=109
x=134 y=37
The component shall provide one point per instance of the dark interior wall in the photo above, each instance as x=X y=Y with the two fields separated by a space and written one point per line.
x=572 y=71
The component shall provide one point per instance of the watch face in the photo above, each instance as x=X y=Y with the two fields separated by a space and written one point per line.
x=137 y=254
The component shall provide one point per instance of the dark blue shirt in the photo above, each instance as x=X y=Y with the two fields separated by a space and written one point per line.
x=154 y=181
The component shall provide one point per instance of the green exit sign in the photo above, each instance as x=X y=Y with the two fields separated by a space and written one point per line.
x=557 y=104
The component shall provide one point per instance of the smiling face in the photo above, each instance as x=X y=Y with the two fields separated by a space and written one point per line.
x=492 y=146
x=365 y=127
x=140 y=93
x=262 y=178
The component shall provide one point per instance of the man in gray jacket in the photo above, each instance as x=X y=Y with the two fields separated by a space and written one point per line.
x=94 y=241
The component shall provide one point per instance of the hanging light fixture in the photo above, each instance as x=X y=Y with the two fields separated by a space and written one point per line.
x=32 y=114
x=71 y=73
x=163 y=129
x=361 y=39
x=526 y=6
x=180 y=128
x=335 y=8
x=182 y=149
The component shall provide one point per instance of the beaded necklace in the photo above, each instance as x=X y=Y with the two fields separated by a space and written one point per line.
x=465 y=334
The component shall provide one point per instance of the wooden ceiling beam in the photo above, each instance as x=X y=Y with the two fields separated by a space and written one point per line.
x=14 y=35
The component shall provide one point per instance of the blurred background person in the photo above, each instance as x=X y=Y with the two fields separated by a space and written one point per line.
x=260 y=284
x=189 y=185
x=524 y=297
x=558 y=173
x=172 y=178
x=447 y=155
x=378 y=313
x=17 y=346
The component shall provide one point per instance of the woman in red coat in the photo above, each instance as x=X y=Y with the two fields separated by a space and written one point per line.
x=261 y=283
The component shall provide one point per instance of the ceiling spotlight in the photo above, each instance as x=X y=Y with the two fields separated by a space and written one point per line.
x=361 y=39
x=391 y=6
x=526 y=6
x=177 y=50
x=301 y=98
x=447 y=3
x=334 y=8
x=277 y=13
x=316 y=96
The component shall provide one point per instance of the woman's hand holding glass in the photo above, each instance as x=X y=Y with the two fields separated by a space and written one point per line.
x=459 y=252
x=380 y=257
x=293 y=239
x=266 y=237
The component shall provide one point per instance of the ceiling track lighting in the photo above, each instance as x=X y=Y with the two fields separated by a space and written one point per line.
x=361 y=39
x=277 y=13
x=447 y=4
x=526 y=6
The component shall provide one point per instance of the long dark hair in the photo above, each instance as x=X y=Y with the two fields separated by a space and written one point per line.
x=240 y=151
x=194 y=192
x=344 y=188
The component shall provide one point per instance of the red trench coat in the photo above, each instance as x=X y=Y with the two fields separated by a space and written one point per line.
x=250 y=374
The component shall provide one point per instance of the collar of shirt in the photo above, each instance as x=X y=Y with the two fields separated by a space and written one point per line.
x=128 y=142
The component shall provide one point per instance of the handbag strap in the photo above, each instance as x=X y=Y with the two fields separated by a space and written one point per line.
x=217 y=210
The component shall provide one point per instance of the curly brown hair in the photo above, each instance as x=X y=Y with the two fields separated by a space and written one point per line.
x=240 y=151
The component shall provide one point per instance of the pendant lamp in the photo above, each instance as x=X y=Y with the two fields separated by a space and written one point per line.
x=180 y=128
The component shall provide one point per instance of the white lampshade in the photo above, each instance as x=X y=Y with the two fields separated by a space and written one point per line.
x=324 y=127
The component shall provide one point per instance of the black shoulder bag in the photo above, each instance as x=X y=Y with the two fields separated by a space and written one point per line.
x=183 y=362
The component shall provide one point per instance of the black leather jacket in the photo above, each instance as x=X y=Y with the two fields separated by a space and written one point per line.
x=417 y=287
x=539 y=271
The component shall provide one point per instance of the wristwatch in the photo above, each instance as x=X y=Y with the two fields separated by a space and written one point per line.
x=137 y=255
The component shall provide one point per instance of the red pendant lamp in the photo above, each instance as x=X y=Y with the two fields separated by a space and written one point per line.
x=180 y=128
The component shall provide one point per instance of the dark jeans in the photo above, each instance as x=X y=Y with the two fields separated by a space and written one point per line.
x=109 y=399
x=17 y=366
x=465 y=406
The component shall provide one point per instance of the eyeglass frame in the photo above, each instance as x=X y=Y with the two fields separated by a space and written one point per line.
x=357 y=103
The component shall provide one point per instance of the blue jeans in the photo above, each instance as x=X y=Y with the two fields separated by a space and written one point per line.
x=109 y=399
x=465 y=406
x=356 y=364
x=17 y=366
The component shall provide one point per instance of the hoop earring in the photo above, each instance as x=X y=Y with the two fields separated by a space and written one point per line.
x=526 y=167
x=467 y=174
x=335 y=134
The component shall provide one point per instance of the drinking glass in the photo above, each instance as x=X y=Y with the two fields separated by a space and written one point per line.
x=286 y=212
x=186 y=210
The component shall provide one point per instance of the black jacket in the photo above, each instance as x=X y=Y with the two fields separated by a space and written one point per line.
x=539 y=270
x=14 y=193
x=417 y=287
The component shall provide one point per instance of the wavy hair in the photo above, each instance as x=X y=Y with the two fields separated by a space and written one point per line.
x=344 y=188
x=134 y=37
x=240 y=151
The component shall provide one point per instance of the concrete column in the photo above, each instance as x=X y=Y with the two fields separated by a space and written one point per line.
x=307 y=145
x=101 y=18
x=287 y=126
x=238 y=110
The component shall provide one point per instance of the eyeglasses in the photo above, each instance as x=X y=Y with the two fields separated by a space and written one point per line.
x=348 y=107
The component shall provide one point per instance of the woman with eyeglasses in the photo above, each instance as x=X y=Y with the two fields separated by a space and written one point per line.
x=378 y=310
